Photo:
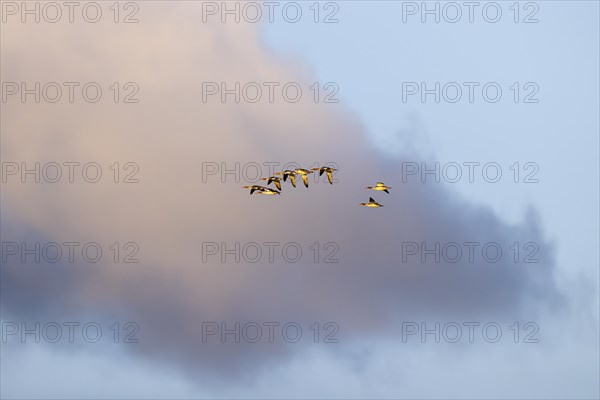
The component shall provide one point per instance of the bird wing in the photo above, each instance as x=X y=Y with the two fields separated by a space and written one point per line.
x=330 y=177
x=305 y=180
x=371 y=200
x=293 y=180
x=278 y=184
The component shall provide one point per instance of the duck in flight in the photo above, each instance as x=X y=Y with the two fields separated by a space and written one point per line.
x=380 y=187
x=268 y=191
x=304 y=173
x=288 y=174
x=261 y=190
x=275 y=179
x=328 y=170
x=372 y=203
x=253 y=188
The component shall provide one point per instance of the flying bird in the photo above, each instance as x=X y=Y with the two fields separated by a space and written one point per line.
x=276 y=180
x=261 y=190
x=268 y=191
x=372 y=203
x=379 y=187
x=288 y=174
x=253 y=188
x=328 y=170
x=304 y=173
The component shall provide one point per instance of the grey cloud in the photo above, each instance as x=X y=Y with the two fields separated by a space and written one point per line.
x=171 y=212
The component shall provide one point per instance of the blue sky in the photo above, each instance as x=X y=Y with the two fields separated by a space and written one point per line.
x=370 y=52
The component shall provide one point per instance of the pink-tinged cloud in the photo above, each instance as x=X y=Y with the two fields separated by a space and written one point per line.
x=171 y=212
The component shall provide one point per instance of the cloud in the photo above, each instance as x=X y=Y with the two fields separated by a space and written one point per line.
x=171 y=212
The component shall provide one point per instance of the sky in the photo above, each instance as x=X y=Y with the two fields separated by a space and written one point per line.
x=377 y=312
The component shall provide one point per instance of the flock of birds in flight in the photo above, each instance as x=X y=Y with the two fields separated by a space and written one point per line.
x=291 y=174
